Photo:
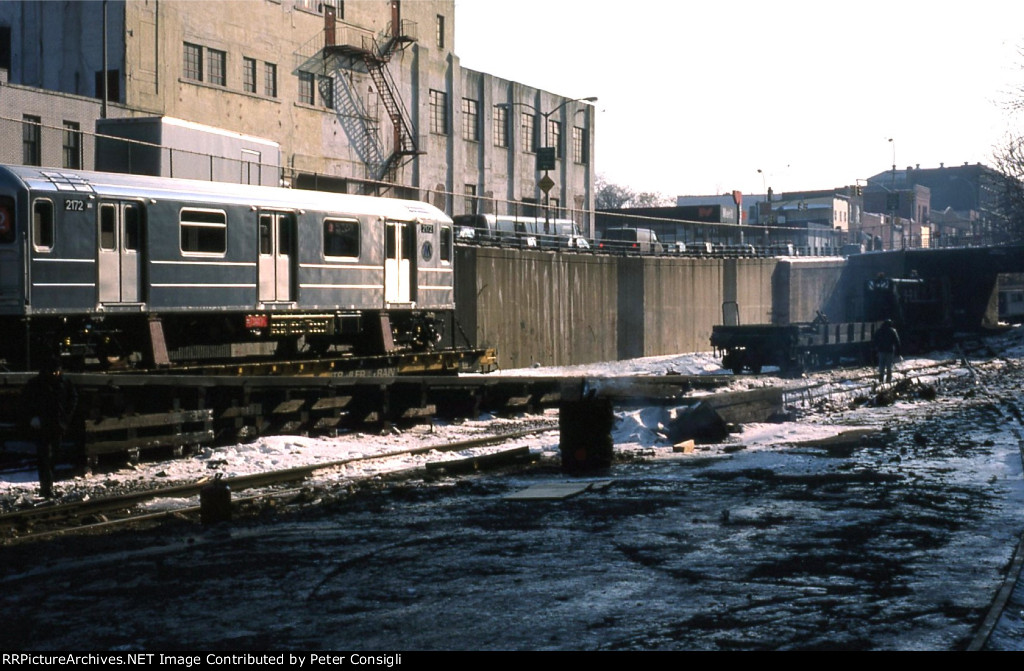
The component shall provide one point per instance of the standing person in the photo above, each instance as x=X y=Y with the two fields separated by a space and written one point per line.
x=49 y=400
x=887 y=344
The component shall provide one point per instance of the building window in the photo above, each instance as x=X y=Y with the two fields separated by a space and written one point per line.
x=500 y=126
x=31 y=140
x=270 y=80
x=579 y=144
x=440 y=32
x=113 y=85
x=470 y=120
x=249 y=75
x=527 y=132
x=470 y=197
x=306 y=93
x=326 y=85
x=555 y=136
x=317 y=6
x=72 y=145
x=193 y=62
x=438 y=112
x=217 y=64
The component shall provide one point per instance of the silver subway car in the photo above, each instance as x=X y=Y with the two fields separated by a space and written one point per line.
x=110 y=267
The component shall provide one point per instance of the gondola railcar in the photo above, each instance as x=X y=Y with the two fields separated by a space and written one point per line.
x=115 y=267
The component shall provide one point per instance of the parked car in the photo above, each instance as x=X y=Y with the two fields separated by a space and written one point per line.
x=630 y=241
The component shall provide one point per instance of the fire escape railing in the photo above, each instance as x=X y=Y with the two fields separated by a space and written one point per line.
x=376 y=58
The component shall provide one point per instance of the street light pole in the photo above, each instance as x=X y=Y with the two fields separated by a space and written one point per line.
x=768 y=200
x=894 y=200
x=546 y=182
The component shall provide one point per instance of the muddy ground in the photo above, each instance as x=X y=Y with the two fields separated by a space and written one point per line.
x=897 y=541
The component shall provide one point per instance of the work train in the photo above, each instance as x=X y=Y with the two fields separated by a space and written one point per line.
x=114 y=267
x=920 y=309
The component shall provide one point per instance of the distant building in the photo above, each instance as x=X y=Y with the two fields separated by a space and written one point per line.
x=363 y=96
x=964 y=203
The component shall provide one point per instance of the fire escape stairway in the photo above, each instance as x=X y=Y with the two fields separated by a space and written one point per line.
x=405 y=143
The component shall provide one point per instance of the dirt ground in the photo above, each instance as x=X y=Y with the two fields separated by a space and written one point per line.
x=898 y=541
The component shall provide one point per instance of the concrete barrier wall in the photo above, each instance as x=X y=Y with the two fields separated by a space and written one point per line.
x=802 y=287
x=563 y=309
x=538 y=307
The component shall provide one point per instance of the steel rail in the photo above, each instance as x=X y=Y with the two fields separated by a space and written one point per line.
x=79 y=509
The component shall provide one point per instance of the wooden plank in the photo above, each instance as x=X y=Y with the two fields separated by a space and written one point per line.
x=237 y=411
x=289 y=407
x=147 y=421
x=746 y=406
x=169 y=440
x=158 y=343
x=332 y=403
x=425 y=411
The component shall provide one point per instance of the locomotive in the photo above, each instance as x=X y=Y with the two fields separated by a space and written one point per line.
x=105 y=268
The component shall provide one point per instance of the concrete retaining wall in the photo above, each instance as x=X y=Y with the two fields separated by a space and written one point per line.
x=563 y=309
x=802 y=287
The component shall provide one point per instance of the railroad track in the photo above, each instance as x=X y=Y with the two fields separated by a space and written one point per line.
x=95 y=515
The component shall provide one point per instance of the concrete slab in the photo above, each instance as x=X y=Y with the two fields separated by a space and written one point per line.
x=551 y=491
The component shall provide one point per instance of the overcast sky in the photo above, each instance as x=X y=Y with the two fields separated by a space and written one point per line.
x=695 y=97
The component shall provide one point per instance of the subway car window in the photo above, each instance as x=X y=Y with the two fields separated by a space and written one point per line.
x=131 y=228
x=108 y=221
x=42 y=225
x=266 y=248
x=7 y=234
x=204 y=232
x=341 y=237
x=284 y=235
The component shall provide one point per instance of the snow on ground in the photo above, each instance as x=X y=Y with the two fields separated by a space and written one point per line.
x=699 y=363
x=639 y=430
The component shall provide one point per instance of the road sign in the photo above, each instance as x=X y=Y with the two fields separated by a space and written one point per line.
x=545 y=183
x=546 y=158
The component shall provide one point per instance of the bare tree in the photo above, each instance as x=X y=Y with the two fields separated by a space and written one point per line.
x=651 y=199
x=1009 y=160
x=608 y=196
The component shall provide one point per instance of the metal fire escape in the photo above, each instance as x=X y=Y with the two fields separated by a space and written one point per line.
x=355 y=46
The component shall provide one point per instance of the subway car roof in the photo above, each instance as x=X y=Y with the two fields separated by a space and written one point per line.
x=118 y=185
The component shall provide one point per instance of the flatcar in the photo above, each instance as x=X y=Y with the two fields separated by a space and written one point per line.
x=920 y=309
x=115 y=267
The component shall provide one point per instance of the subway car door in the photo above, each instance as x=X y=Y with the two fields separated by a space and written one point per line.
x=399 y=262
x=119 y=238
x=277 y=257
